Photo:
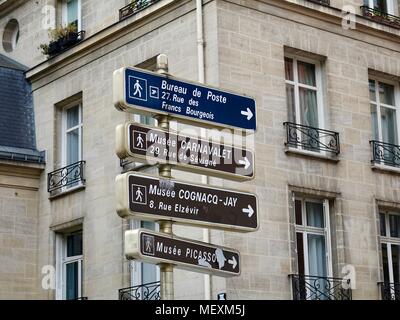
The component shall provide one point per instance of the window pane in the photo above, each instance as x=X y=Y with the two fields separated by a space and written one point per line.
x=394 y=221
x=396 y=263
x=300 y=252
x=382 y=219
x=381 y=5
x=72 y=117
x=315 y=214
x=385 y=263
x=386 y=93
x=290 y=103
x=73 y=146
x=308 y=107
x=72 y=281
x=316 y=255
x=299 y=218
x=74 y=244
x=72 y=11
x=306 y=73
x=389 y=125
x=374 y=120
x=372 y=93
x=289 y=69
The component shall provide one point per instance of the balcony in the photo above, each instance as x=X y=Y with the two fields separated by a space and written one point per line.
x=380 y=17
x=62 y=44
x=390 y=291
x=321 y=2
x=385 y=154
x=148 y=291
x=310 y=139
x=320 y=288
x=134 y=7
x=66 y=179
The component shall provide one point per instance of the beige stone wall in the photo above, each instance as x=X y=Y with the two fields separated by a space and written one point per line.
x=251 y=60
x=18 y=230
x=244 y=53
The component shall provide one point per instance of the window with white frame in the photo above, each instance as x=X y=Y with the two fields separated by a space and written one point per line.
x=384 y=100
x=72 y=131
x=71 y=13
x=304 y=97
x=69 y=264
x=386 y=6
x=313 y=237
x=390 y=242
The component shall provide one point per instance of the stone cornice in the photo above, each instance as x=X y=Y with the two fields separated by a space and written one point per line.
x=6 y=6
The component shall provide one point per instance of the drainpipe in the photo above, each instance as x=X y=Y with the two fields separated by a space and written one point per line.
x=201 y=71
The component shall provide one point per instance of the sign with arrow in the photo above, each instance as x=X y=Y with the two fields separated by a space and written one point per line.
x=186 y=152
x=152 y=198
x=155 y=247
x=136 y=90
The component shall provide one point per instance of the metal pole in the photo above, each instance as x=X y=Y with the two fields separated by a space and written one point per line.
x=164 y=170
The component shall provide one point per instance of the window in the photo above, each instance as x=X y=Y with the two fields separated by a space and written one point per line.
x=11 y=35
x=71 y=13
x=69 y=265
x=313 y=249
x=304 y=99
x=384 y=104
x=386 y=6
x=312 y=237
x=72 y=141
x=390 y=241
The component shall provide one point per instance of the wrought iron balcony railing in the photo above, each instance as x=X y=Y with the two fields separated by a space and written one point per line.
x=390 y=291
x=380 y=16
x=385 y=153
x=320 y=288
x=148 y=291
x=134 y=7
x=312 y=139
x=67 y=177
x=322 y=2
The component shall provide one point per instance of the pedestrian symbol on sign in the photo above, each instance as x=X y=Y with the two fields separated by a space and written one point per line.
x=139 y=140
x=139 y=194
x=138 y=88
x=148 y=245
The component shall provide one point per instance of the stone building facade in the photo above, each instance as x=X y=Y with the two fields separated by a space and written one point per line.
x=326 y=83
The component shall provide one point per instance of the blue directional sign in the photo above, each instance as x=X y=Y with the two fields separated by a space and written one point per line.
x=153 y=93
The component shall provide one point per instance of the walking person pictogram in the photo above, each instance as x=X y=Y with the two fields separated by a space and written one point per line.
x=138 y=89
x=148 y=245
x=139 y=195
x=139 y=141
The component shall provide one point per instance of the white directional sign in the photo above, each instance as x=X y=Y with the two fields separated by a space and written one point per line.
x=155 y=247
x=151 y=198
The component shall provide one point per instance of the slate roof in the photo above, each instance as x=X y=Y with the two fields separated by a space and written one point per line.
x=17 y=123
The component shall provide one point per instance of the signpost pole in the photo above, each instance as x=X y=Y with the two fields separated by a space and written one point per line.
x=164 y=170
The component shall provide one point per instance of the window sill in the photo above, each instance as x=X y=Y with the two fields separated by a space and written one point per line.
x=384 y=167
x=311 y=154
x=67 y=192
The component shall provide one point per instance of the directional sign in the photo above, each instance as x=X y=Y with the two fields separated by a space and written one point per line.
x=187 y=152
x=152 y=93
x=155 y=247
x=152 y=198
